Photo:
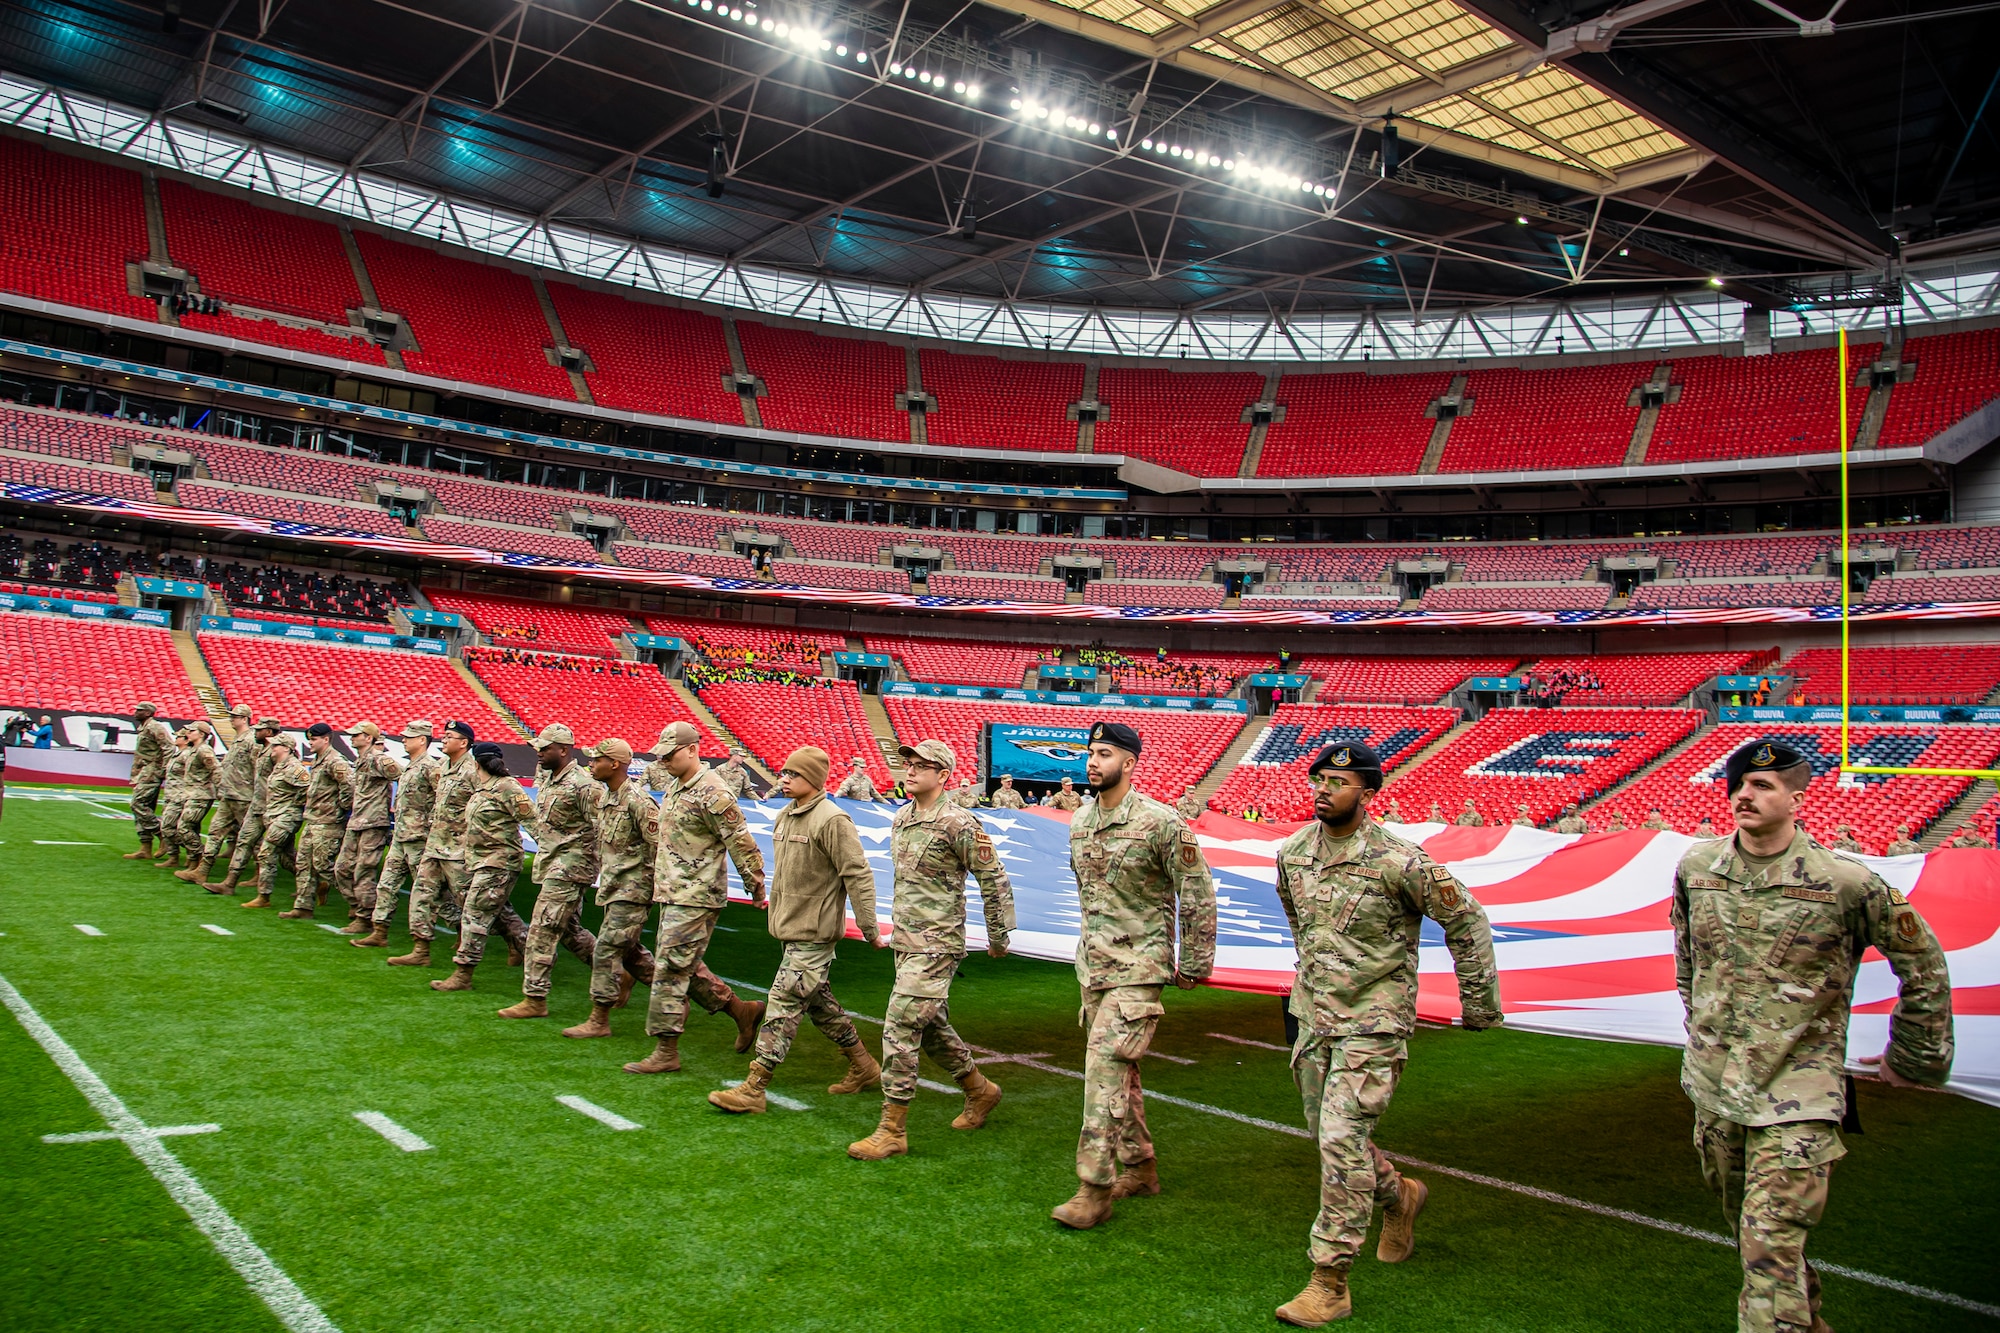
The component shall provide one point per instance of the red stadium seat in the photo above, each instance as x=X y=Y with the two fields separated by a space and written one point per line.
x=773 y=719
x=93 y=666
x=593 y=697
x=303 y=683
x=1272 y=776
x=522 y=623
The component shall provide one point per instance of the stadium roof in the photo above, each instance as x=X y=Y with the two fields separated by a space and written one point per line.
x=1221 y=155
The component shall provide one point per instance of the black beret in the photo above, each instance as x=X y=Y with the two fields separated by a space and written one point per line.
x=486 y=750
x=1115 y=733
x=1759 y=757
x=1347 y=757
x=319 y=729
x=462 y=728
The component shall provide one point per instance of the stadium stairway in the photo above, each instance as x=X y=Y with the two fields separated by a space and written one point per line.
x=881 y=730
x=1409 y=765
x=1212 y=781
x=1664 y=758
x=704 y=715
x=200 y=677
x=1946 y=826
x=479 y=688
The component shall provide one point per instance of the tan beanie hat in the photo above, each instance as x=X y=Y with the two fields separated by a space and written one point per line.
x=809 y=762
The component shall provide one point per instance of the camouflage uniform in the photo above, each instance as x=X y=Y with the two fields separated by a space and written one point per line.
x=625 y=837
x=1134 y=865
x=817 y=862
x=495 y=809
x=1657 y=822
x=857 y=786
x=735 y=780
x=173 y=793
x=284 y=808
x=443 y=878
x=1765 y=961
x=327 y=801
x=1066 y=800
x=1356 y=906
x=1903 y=846
x=198 y=787
x=250 y=839
x=1572 y=823
x=965 y=798
x=236 y=786
x=152 y=747
x=1470 y=819
x=1006 y=798
x=359 y=864
x=416 y=793
x=1189 y=807
x=565 y=868
x=933 y=851
x=657 y=776
x=700 y=831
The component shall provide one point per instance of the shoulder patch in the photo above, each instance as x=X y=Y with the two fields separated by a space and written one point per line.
x=1440 y=875
x=1896 y=898
x=1811 y=895
x=1909 y=930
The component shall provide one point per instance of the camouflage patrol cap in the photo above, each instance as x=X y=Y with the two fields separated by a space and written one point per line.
x=555 y=733
x=269 y=723
x=145 y=708
x=241 y=710
x=1115 y=733
x=364 y=729
x=281 y=742
x=934 y=751
x=417 y=729
x=610 y=748
x=1759 y=757
x=1348 y=757
x=676 y=736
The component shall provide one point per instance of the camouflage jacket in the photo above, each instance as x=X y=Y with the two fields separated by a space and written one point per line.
x=857 y=786
x=566 y=827
x=267 y=760
x=701 y=830
x=416 y=794
x=374 y=774
x=239 y=768
x=1133 y=865
x=818 y=863
x=1066 y=800
x=173 y=778
x=933 y=851
x=626 y=823
x=495 y=809
x=203 y=770
x=446 y=841
x=1357 y=906
x=285 y=788
x=1572 y=824
x=965 y=798
x=152 y=746
x=657 y=776
x=332 y=790
x=1006 y=798
x=1189 y=808
x=735 y=781
x=1765 y=962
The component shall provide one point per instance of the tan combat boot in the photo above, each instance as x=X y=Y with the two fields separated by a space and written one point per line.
x=747 y=1097
x=460 y=979
x=748 y=1014
x=1399 y=1227
x=418 y=956
x=597 y=1025
x=625 y=983
x=1138 y=1180
x=297 y=914
x=665 y=1059
x=513 y=954
x=227 y=886
x=1090 y=1205
x=169 y=858
x=357 y=925
x=862 y=1071
x=145 y=852
x=891 y=1137
x=195 y=873
x=261 y=900
x=982 y=1094
x=1324 y=1300
x=376 y=938
x=531 y=1006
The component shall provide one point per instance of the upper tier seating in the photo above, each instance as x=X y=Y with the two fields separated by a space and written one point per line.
x=1796 y=592
x=704 y=564
x=995 y=588
x=826 y=386
x=1272 y=776
x=1925 y=587
x=1276 y=602
x=329 y=475
x=1938 y=673
x=306 y=682
x=92 y=666
x=1186 y=596
x=1954 y=378
x=288 y=509
x=1397 y=680
x=1158 y=560
x=227 y=324
x=773 y=719
x=491 y=538
x=1351 y=425
x=1009 y=555
x=1523 y=420
x=1338 y=564
x=1689 y=787
x=90 y=481
x=1949 y=548
x=476 y=322
x=1496 y=597
x=859 y=579
x=774 y=647
x=962 y=661
x=527 y=506
x=649 y=358
x=1635 y=679
x=854 y=543
x=1190 y=421
x=1750 y=407
x=1180 y=747
x=519 y=622
x=68 y=227
x=674 y=525
x=990 y=402
x=1521 y=564
x=1545 y=757
x=65 y=435
x=1762 y=555
x=593 y=697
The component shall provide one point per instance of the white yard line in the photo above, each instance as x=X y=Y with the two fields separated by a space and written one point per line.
x=789 y=1103
x=216 y=930
x=392 y=1131
x=159 y=1132
x=294 y=1309
x=1170 y=1059
x=323 y=925
x=64 y=842
x=1245 y=1041
x=598 y=1113
x=88 y=930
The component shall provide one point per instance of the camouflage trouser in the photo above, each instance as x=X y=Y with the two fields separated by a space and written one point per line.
x=439 y=882
x=618 y=942
x=355 y=869
x=800 y=989
x=248 y=839
x=399 y=867
x=319 y=847
x=1120 y=1021
x=276 y=838
x=226 y=828
x=168 y=825
x=187 y=833
x=679 y=972
x=919 y=1018
x=146 y=806
x=556 y=921
x=487 y=910
x=1346 y=1083
x=1773 y=1181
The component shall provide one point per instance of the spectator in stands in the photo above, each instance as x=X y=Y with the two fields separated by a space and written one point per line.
x=1572 y=820
x=44 y=733
x=1252 y=815
x=1903 y=844
x=1470 y=817
x=1655 y=820
x=1798 y=697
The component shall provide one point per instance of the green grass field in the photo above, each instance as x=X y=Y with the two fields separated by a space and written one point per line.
x=527 y=1215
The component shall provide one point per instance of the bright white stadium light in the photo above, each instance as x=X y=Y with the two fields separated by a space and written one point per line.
x=767 y=25
x=924 y=78
x=895 y=67
x=1111 y=134
x=860 y=57
x=783 y=29
x=972 y=90
x=1146 y=143
x=958 y=85
x=825 y=45
x=909 y=71
x=1096 y=129
x=1014 y=104
x=1229 y=164
x=841 y=50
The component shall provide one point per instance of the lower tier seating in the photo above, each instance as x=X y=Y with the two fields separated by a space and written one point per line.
x=522 y=623
x=769 y=647
x=1634 y=679
x=962 y=661
x=1272 y=776
x=303 y=683
x=773 y=719
x=1939 y=673
x=856 y=578
x=92 y=666
x=1397 y=680
x=702 y=564
x=1178 y=596
x=88 y=481
x=592 y=696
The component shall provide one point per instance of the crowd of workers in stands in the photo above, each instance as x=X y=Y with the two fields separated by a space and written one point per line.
x=583 y=666
x=1549 y=689
x=778 y=652
x=700 y=675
